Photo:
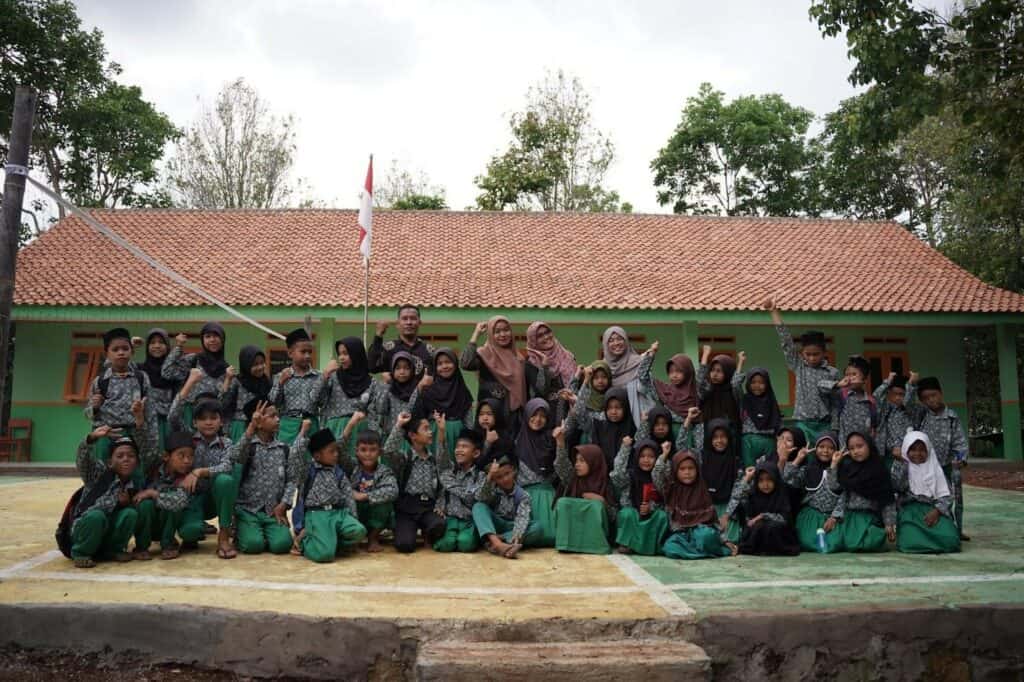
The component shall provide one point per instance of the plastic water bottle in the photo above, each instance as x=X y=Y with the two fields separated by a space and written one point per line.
x=822 y=546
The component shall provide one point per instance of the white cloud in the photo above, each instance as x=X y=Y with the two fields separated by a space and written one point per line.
x=432 y=84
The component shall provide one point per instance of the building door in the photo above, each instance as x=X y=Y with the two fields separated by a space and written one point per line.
x=883 y=362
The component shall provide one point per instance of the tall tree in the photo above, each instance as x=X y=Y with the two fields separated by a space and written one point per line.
x=745 y=157
x=96 y=140
x=557 y=159
x=968 y=64
x=402 y=190
x=237 y=154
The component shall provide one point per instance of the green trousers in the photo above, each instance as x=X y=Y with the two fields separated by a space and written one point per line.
x=236 y=430
x=376 y=516
x=914 y=537
x=755 y=445
x=459 y=536
x=260 y=532
x=327 y=531
x=489 y=523
x=146 y=512
x=699 y=542
x=189 y=527
x=219 y=498
x=99 y=535
x=581 y=526
x=642 y=535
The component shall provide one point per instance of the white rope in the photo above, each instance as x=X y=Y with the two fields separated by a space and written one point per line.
x=146 y=258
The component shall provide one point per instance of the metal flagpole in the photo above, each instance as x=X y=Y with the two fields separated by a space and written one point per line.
x=366 y=297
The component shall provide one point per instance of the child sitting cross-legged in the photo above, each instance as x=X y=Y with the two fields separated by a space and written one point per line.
x=325 y=515
x=582 y=514
x=819 y=508
x=764 y=503
x=461 y=483
x=374 y=486
x=270 y=475
x=868 y=501
x=642 y=523
x=173 y=490
x=691 y=513
x=925 y=524
x=503 y=511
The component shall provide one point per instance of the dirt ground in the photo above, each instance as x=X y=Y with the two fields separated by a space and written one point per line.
x=998 y=475
x=26 y=666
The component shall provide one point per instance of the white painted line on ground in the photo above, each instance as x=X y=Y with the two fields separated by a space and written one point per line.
x=662 y=595
x=849 y=582
x=29 y=564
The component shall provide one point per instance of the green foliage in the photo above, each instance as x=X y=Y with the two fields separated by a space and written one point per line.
x=403 y=191
x=557 y=159
x=98 y=141
x=420 y=202
x=745 y=157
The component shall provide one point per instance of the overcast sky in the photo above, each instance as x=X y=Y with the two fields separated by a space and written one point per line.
x=432 y=83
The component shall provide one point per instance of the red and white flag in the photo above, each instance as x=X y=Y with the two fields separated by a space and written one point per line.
x=366 y=215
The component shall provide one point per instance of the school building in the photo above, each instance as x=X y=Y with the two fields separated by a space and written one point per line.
x=685 y=281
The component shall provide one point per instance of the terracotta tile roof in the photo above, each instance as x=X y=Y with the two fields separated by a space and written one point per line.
x=505 y=260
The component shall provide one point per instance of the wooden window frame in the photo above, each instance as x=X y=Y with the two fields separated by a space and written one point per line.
x=95 y=354
x=885 y=358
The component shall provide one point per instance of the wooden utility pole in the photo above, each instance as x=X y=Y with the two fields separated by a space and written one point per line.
x=10 y=225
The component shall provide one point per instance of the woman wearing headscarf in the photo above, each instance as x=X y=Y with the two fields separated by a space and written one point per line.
x=534 y=448
x=545 y=352
x=691 y=513
x=448 y=395
x=925 y=524
x=867 y=499
x=250 y=382
x=503 y=374
x=582 y=514
x=641 y=524
x=346 y=387
x=625 y=363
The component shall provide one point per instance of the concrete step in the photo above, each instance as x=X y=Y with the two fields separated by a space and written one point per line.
x=607 y=661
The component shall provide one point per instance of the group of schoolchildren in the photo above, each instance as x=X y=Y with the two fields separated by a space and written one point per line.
x=388 y=441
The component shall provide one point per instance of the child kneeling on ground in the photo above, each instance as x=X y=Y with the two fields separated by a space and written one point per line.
x=270 y=474
x=461 y=483
x=325 y=515
x=503 y=512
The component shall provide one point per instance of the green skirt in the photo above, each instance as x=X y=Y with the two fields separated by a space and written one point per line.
x=542 y=501
x=290 y=427
x=699 y=542
x=451 y=432
x=914 y=537
x=861 y=531
x=813 y=428
x=754 y=446
x=236 y=430
x=642 y=535
x=581 y=526
x=732 y=534
x=808 y=521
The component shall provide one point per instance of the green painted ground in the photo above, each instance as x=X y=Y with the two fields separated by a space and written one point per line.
x=995 y=521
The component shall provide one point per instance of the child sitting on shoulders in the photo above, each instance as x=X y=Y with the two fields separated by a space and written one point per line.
x=325 y=515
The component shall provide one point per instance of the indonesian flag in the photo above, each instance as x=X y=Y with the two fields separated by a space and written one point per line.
x=366 y=215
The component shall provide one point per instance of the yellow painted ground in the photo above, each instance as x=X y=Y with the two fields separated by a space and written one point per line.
x=360 y=585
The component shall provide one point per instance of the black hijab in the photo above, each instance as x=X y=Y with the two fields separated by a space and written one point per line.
x=762 y=409
x=608 y=435
x=814 y=468
x=450 y=396
x=213 y=364
x=720 y=401
x=718 y=469
x=153 y=366
x=499 y=417
x=535 y=449
x=356 y=379
x=258 y=386
x=652 y=417
x=776 y=502
x=403 y=391
x=869 y=478
x=799 y=441
x=638 y=478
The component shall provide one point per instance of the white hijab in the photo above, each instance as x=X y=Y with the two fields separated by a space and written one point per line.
x=926 y=479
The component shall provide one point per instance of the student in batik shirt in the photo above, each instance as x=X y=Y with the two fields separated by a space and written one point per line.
x=868 y=501
x=251 y=381
x=641 y=524
x=115 y=390
x=502 y=513
x=448 y=395
x=402 y=394
x=894 y=397
x=346 y=387
x=173 y=498
x=760 y=415
x=293 y=391
x=853 y=408
x=374 y=486
x=161 y=391
x=461 y=481
x=820 y=507
x=693 y=533
x=419 y=506
x=210 y=360
x=270 y=476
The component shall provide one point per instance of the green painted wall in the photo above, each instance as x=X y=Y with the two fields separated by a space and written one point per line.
x=43 y=350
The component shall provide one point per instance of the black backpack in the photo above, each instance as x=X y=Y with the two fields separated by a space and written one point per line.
x=104 y=382
x=67 y=519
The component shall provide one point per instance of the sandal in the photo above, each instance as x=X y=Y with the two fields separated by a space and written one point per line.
x=226 y=552
x=123 y=557
x=84 y=562
x=170 y=553
x=141 y=555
